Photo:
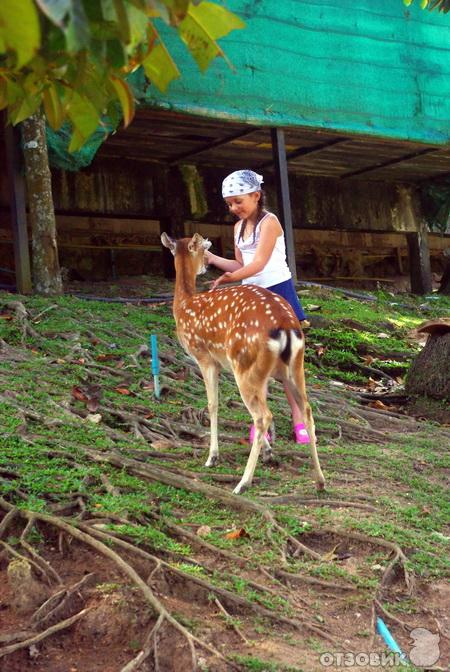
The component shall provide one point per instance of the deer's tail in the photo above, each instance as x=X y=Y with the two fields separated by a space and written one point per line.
x=286 y=344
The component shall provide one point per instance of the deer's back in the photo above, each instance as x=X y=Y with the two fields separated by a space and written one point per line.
x=234 y=322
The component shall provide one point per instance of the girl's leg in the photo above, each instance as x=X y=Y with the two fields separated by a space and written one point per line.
x=300 y=431
x=296 y=412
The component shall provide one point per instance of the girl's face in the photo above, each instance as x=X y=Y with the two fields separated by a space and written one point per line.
x=243 y=207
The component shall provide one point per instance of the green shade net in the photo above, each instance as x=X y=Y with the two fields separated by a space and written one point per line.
x=58 y=143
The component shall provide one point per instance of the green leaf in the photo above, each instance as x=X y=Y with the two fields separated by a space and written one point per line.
x=160 y=68
x=3 y=93
x=77 y=33
x=115 y=54
x=202 y=26
x=125 y=97
x=52 y=107
x=19 y=29
x=122 y=20
x=56 y=10
x=84 y=118
x=25 y=106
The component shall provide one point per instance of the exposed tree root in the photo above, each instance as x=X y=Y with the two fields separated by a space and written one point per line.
x=24 y=644
x=125 y=569
x=399 y=557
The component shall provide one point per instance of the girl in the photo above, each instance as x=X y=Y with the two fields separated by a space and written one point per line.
x=260 y=257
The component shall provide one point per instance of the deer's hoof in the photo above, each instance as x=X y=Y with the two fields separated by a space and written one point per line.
x=320 y=485
x=241 y=488
x=267 y=455
x=212 y=461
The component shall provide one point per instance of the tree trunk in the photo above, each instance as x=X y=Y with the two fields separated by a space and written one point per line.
x=46 y=271
x=429 y=374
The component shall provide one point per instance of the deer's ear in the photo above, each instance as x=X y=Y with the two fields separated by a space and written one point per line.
x=168 y=242
x=196 y=243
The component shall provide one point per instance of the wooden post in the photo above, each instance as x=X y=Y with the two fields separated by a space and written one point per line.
x=283 y=197
x=16 y=183
x=417 y=239
x=419 y=262
x=174 y=209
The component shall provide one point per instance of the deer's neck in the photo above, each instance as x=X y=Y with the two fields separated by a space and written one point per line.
x=184 y=284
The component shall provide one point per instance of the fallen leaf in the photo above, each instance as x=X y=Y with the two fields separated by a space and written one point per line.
x=148 y=385
x=236 y=534
x=378 y=404
x=203 y=531
x=311 y=307
x=372 y=384
x=382 y=335
x=94 y=418
x=162 y=444
x=320 y=351
x=6 y=317
x=122 y=390
x=92 y=405
x=79 y=394
x=106 y=356
x=368 y=359
x=330 y=555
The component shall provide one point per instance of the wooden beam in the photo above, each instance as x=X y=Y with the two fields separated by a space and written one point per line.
x=283 y=196
x=213 y=145
x=305 y=151
x=391 y=162
x=16 y=183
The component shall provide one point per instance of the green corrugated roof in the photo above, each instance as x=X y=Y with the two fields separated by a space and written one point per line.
x=364 y=66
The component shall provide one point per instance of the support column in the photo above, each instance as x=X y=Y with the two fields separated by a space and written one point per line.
x=417 y=238
x=283 y=197
x=18 y=210
x=174 y=208
x=419 y=262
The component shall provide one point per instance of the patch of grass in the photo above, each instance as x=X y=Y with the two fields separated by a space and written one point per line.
x=252 y=664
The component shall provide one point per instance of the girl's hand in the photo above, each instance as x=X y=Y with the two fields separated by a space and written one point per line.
x=226 y=277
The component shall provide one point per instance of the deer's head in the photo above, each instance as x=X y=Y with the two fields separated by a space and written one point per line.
x=189 y=248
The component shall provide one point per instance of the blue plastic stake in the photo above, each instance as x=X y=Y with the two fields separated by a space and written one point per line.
x=382 y=630
x=155 y=364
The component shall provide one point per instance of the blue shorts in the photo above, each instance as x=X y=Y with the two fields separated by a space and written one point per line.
x=286 y=289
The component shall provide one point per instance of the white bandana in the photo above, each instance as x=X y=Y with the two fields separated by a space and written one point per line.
x=241 y=182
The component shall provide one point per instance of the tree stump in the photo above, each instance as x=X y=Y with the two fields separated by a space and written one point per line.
x=429 y=374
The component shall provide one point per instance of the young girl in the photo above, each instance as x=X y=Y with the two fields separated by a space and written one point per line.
x=260 y=256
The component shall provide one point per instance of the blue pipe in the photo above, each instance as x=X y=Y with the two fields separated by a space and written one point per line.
x=383 y=631
x=155 y=364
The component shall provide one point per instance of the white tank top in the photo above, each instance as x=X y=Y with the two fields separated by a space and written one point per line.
x=276 y=270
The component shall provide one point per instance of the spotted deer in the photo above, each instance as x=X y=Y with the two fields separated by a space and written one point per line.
x=248 y=330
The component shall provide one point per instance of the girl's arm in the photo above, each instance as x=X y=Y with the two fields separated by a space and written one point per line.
x=227 y=265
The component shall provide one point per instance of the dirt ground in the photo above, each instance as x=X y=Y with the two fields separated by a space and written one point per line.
x=116 y=618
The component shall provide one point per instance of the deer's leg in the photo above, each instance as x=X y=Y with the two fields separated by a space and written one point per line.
x=253 y=391
x=210 y=373
x=297 y=386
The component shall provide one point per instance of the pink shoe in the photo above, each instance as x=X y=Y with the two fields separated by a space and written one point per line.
x=301 y=433
x=252 y=434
